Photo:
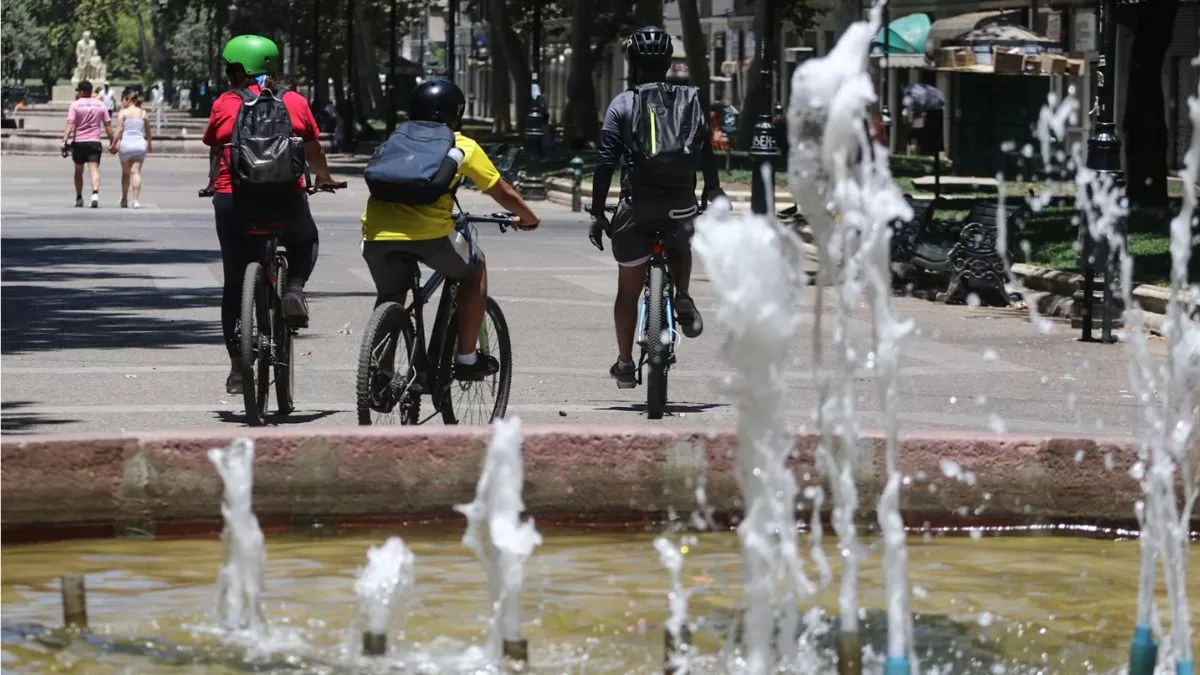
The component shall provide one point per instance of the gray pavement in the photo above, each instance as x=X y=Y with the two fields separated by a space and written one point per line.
x=111 y=323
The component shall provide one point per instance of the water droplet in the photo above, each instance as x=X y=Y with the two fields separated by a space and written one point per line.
x=985 y=619
x=953 y=399
x=989 y=354
x=1138 y=470
x=976 y=533
x=1079 y=456
x=997 y=424
x=973 y=301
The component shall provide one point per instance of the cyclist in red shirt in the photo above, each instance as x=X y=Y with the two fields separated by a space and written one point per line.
x=250 y=62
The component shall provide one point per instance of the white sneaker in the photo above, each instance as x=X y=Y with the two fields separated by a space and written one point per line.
x=137 y=205
x=95 y=200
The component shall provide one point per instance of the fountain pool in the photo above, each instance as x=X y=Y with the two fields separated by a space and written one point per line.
x=595 y=601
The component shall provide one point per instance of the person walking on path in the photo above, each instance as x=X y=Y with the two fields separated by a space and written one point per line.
x=82 y=139
x=108 y=99
x=132 y=143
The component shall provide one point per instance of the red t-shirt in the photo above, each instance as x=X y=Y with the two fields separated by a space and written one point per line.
x=219 y=131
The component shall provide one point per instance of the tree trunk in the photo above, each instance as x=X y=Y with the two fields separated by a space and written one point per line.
x=648 y=13
x=141 y=24
x=516 y=54
x=696 y=46
x=582 y=107
x=1145 y=123
x=501 y=84
x=752 y=106
x=368 y=99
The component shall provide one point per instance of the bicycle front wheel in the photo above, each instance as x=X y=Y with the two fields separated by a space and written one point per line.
x=384 y=387
x=256 y=331
x=285 y=364
x=658 y=340
x=463 y=402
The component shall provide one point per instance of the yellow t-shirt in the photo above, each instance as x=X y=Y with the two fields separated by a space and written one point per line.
x=385 y=221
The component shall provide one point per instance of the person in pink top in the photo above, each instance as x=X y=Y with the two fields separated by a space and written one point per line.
x=82 y=138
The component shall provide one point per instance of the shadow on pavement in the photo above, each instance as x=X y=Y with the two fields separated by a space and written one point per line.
x=274 y=419
x=671 y=409
x=41 y=313
x=14 y=421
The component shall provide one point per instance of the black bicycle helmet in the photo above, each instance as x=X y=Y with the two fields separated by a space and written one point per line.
x=438 y=100
x=650 y=44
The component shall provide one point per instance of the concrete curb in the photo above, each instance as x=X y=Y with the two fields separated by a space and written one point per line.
x=563 y=186
x=162 y=484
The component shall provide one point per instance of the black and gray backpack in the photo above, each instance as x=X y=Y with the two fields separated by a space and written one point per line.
x=669 y=127
x=264 y=156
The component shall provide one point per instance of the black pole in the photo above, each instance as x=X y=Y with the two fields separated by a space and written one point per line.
x=316 y=55
x=391 y=83
x=884 y=113
x=765 y=146
x=451 y=29
x=533 y=188
x=1103 y=157
x=348 y=125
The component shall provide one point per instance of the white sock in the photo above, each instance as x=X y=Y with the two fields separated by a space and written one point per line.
x=465 y=359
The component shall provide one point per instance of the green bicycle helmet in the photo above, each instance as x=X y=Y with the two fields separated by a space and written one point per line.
x=255 y=53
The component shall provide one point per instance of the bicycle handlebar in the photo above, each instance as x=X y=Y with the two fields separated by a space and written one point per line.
x=501 y=218
x=336 y=185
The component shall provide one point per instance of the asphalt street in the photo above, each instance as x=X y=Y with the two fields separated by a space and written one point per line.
x=111 y=323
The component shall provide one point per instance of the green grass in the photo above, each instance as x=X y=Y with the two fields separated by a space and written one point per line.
x=1151 y=256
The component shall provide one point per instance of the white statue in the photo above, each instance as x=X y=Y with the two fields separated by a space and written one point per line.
x=85 y=50
x=97 y=72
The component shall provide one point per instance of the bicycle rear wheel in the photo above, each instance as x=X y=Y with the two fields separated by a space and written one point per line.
x=285 y=365
x=657 y=345
x=481 y=402
x=386 y=351
x=256 y=331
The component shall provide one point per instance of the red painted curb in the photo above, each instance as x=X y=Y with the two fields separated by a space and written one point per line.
x=162 y=483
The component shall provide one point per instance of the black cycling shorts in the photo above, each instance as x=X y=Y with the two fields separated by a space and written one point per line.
x=631 y=241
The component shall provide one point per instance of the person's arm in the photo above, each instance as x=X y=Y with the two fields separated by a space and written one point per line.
x=108 y=130
x=114 y=142
x=510 y=200
x=149 y=137
x=69 y=131
x=609 y=150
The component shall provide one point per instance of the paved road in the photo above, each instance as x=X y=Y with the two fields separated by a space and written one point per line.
x=110 y=323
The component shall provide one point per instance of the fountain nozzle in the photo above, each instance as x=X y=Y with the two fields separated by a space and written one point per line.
x=74 y=599
x=849 y=652
x=374 y=644
x=516 y=650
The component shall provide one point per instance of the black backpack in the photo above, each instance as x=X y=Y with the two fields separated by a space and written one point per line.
x=415 y=165
x=264 y=156
x=669 y=124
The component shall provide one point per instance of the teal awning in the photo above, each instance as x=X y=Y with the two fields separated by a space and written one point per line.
x=906 y=35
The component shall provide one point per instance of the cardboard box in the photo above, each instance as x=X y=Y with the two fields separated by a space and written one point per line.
x=944 y=57
x=1076 y=67
x=964 y=58
x=1054 y=64
x=1010 y=62
x=1032 y=65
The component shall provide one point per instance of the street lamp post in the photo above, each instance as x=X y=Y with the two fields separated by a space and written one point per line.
x=316 y=55
x=451 y=28
x=884 y=113
x=393 y=46
x=348 y=124
x=1103 y=157
x=765 y=146
x=533 y=187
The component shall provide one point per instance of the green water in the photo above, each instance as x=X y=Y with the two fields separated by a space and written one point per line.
x=594 y=602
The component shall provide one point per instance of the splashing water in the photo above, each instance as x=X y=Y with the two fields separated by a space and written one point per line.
x=239 y=582
x=836 y=167
x=672 y=559
x=495 y=532
x=756 y=267
x=1168 y=395
x=382 y=589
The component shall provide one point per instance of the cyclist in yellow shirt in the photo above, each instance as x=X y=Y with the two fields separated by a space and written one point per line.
x=394 y=233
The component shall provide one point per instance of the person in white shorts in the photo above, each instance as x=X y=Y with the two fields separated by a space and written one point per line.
x=131 y=144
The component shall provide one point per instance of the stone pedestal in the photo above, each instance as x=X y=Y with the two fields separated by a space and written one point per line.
x=62 y=93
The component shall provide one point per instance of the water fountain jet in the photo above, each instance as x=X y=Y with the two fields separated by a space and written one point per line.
x=239 y=582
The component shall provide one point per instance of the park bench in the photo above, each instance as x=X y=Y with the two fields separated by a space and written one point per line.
x=955 y=258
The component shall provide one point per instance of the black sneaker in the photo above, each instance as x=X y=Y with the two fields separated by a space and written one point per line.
x=625 y=375
x=689 y=317
x=295 y=309
x=124 y=203
x=233 y=383
x=79 y=202
x=484 y=367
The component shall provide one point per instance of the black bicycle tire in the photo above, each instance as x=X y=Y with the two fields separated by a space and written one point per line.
x=253 y=308
x=386 y=317
x=656 y=351
x=446 y=363
x=285 y=362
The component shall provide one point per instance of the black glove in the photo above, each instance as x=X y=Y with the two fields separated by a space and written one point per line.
x=709 y=195
x=600 y=225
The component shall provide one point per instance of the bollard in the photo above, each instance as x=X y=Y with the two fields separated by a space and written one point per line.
x=849 y=651
x=74 y=599
x=374 y=644
x=670 y=648
x=1143 y=654
x=516 y=651
x=577 y=184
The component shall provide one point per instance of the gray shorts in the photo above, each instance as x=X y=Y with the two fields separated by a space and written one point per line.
x=631 y=242
x=391 y=262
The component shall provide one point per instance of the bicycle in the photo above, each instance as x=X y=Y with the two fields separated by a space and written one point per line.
x=656 y=332
x=266 y=339
x=387 y=388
